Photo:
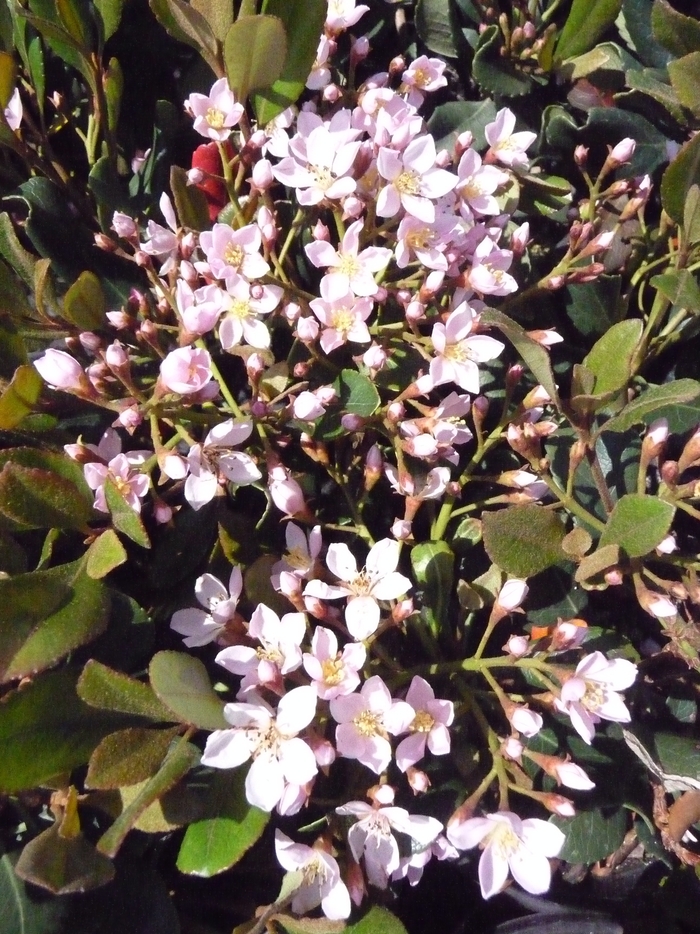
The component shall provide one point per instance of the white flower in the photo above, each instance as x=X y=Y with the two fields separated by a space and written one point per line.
x=334 y=673
x=321 y=884
x=279 y=757
x=372 y=836
x=592 y=694
x=378 y=580
x=522 y=846
x=214 y=458
x=215 y=113
x=428 y=727
x=203 y=626
x=506 y=146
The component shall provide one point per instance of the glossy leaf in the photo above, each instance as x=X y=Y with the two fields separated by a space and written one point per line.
x=186 y=24
x=586 y=22
x=20 y=397
x=76 y=620
x=593 y=307
x=635 y=27
x=451 y=119
x=128 y=757
x=592 y=835
x=182 y=684
x=46 y=729
x=523 y=540
x=123 y=516
x=679 y=177
x=104 y=555
x=303 y=22
x=102 y=687
x=637 y=524
x=378 y=920
x=22 y=912
x=110 y=13
x=8 y=74
x=231 y=827
x=177 y=763
x=254 y=53
x=436 y=25
x=433 y=568
x=217 y=13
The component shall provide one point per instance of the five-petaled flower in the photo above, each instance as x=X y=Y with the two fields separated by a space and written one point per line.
x=592 y=694
x=321 y=883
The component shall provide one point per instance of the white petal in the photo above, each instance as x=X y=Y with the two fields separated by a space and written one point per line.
x=296 y=709
x=225 y=749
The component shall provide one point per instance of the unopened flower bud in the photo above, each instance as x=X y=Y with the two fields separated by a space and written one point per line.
x=142 y=259
x=321 y=232
x=374 y=463
x=352 y=207
x=397 y=64
x=621 y=153
x=351 y=422
x=401 y=529
x=62 y=371
x=262 y=174
x=557 y=804
x=124 y=226
x=195 y=176
x=418 y=780
x=581 y=156
x=395 y=411
x=402 y=610
x=116 y=357
x=512 y=748
x=162 y=513
x=519 y=239
x=307 y=329
x=359 y=50
x=332 y=93
x=517 y=646
x=529 y=30
x=555 y=282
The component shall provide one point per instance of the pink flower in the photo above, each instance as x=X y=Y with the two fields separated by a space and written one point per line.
x=506 y=146
x=428 y=727
x=14 y=111
x=280 y=757
x=302 y=551
x=321 y=883
x=488 y=274
x=378 y=580
x=372 y=836
x=230 y=252
x=522 y=846
x=591 y=695
x=333 y=673
x=215 y=113
x=215 y=459
x=203 y=626
x=60 y=370
x=285 y=492
x=120 y=468
x=280 y=652
x=342 y=14
x=459 y=352
x=572 y=775
x=413 y=180
x=349 y=269
x=343 y=319
x=423 y=75
x=477 y=183
x=242 y=306
x=365 y=719
x=186 y=370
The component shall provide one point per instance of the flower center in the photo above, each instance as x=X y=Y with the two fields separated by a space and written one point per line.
x=269 y=654
x=503 y=840
x=122 y=485
x=361 y=585
x=297 y=559
x=266 y=741
x=368 y=724
x=408 y=183
x=595 y=696
x=421 y=78
x=459 y=353
x=322 y=176
x=239 y=309
x=216 y=118
x=419 y=239
x=314 y=871
x=233 y=255
x=423 y=722
x=342 y=320
x=349 y=266
x=333 y=671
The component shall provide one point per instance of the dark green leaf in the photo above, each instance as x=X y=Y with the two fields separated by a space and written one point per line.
x=635 y=27
x=184 y=23
x=303 y=22
x=593 y=307
x=46 y=729
x=433 y=567
x=217 y=13
x=124 y=518
x=110 y=13
x=190 y=202
x=39 y=499
x=220 y=840
x=535 y=356
x=650 y=81
x=658 y=401
x=63 y=865
x=523 y=540
x=679 y=286
x=377 y=921
x=436 y=25
x=611 y=124
x=77 y=620
x=182 y=684
x=685 y=78
x=21 y=260
x=679 y=177
x=128 y=757
x=20 y=397
x=585 y=24
x=691 y=218
x=637 y=524
x=496 y=73
x=611 y=357
x=22 y=911
x=676 y=32
x=592 y=835
x=254 y=53
x=102 y=687
x=451 y=119
x=355 y=394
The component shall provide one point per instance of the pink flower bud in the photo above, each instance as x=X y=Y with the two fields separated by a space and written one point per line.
x=119 y=320
x=415 y=311
x=262 y=174
x=162 y=513
x=291 y=311
x=129 y=418
x=124 y=226
x=186 y=370
x=105 y=243
x=307 y=329
x=418 y=780
x=268 y=228
x=116 y=357
x=89 y=341
x=581 y=156
x=359 y=50
x=255 y=366
x=401 y=529
x=517 y=646
x=402 y=610
x=558 y=804
x=331 y=93
x=395 y=411
x=195 y=177
x=525 y=721
x=375 y=357
x=464 y=142
x=61 y=371
x=321 y=232
x=622 y=152
x=512 y=748
x=519 y=239
x=352 y=207
x=352 y=422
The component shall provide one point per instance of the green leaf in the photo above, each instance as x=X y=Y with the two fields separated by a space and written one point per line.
x=39 y=499
x=637 y=524
x=685 y=76
x=182 y=683
x=433 y=567
x=679 y=286
x=45 y=729
x=21 y=260
x=254 y=53
x=593 y=307
x=110 y=13
x=592 y=835
x=303 y=22
x=523 y=540
x=186 y=24
x=104 y=555
x=123 y=516
x=534 y=355
x=651 y=81
x=114 y=89
x=676 y=32
x=104 y=688
x=190 y=202
x=495 y=73
x=177 y=763
x=610 y=358
x=691 y=219
x=77 y=620
x=451 y=119
x=217 y=13
x=219 y=841
x=355 y=394
x=128 y=757
x=670 y=400
x=436 y=25
x=8 y=75
x=679 y=177
x=22 y=911
x=84 y=304
x=377 y=921
x=63 y=865
x=677 y=754
x=19 y=398
x=635 y=28
x=585 y=24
